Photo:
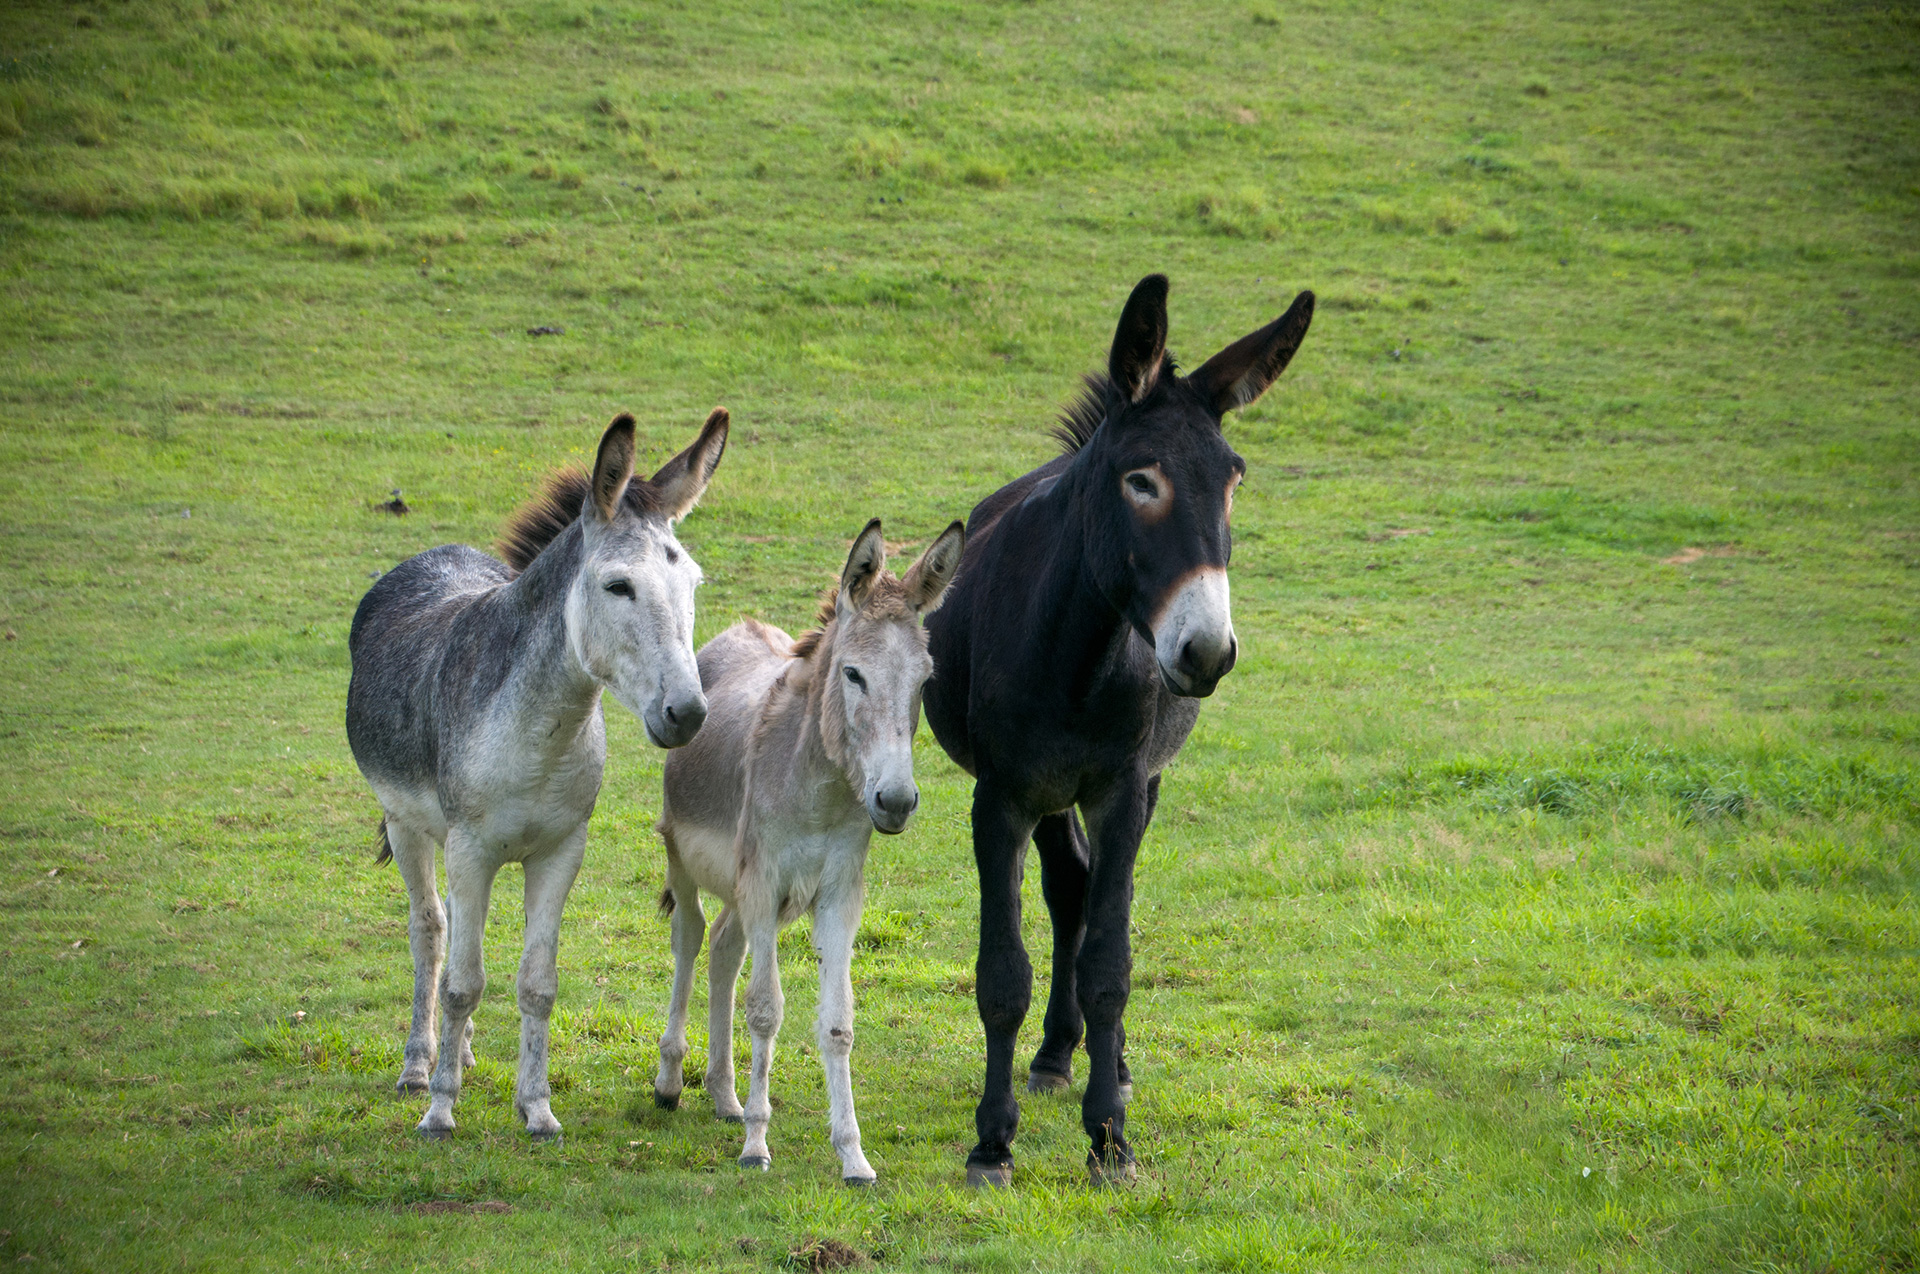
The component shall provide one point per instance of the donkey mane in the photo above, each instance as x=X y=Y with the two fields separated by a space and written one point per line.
x=887 y=600
x=1091 y=405
x=540 y=521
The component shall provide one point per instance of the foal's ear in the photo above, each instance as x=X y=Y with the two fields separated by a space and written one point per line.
x=927 y=580
x=864 y=564
x=1140 y=341
x=1242 y=371
x=682 y=480
x=613 y=466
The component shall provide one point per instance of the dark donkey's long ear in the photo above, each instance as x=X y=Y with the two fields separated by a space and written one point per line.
x=683 y=480
x=1140 y=341
x=864 y=564
x=1242 y=371
x=926 y=581
x=613 y=466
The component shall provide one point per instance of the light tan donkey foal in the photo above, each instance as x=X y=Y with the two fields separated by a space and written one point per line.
x=807 y=748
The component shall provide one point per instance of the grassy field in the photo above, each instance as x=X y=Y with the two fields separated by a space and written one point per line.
x=1539 y=893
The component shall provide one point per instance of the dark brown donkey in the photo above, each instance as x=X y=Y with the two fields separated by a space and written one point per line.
x=1089 y=618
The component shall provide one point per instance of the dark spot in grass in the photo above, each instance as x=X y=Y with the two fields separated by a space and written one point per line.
x=815 y=1254
x=546 y=330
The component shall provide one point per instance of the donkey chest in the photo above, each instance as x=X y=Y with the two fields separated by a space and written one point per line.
x=801 y=861
x=520 y=796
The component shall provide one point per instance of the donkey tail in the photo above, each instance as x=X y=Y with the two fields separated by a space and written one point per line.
x=666 y=901
x=385 y=855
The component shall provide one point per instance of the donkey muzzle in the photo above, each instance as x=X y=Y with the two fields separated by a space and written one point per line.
x=890 y=807
x=673 y=721
x=1193 y=641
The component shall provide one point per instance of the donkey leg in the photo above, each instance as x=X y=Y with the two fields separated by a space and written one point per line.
x=470 y=873
x=689 y=926
x=1104 y=972
x=835 y=922
x=427 y=936
x=1063 y=882
x=766 y=1006
x=1002 y=979
x=726 y=951
x=550 y=878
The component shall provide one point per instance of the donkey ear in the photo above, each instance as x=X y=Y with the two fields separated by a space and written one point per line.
x=613 y=466
x=1242 y=371
x=682 y=480
x=1140 y=342
x=864 y=564
x=927 y=580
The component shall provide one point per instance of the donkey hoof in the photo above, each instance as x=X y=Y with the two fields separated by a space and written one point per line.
x=434 y=1134
x=546 y=1136
x=858 y=1183
x=666 y=1101
x=725 y=1118
x=1039 y=1081
x=410 y=1085
x=762 y=1162
x=1107 y=1171
x=990 y=1176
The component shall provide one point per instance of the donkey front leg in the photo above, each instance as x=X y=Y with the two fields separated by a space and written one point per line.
x=766 y=1006
x=835 y=923
x=726 y=952
x=427 y=936
x=1002 y=979
x=689 y=927
x=550 y=877
x=470 y=872
x=1104 y=972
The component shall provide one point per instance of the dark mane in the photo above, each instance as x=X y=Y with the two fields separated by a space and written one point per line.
x=806 y=643
x=887 y=598
x=1090 y=407
x=539 y=521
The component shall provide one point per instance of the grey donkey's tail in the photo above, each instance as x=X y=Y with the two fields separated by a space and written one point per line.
x=385 y=855
x=666 y=901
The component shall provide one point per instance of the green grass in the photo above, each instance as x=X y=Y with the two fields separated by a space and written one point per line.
x=1538 y=893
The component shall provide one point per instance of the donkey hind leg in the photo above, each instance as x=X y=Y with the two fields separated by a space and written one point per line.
x=689 y=927
x=766 y=1006
x=470 y=875
x=427 y=936
x=1063 y=882
x=1002 y=980
x=726 y=951
x=835 y=923
x=1104 y=974
x=550 y=878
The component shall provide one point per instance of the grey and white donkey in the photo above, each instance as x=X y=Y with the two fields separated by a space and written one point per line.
x=808 y=748
x=474 y=712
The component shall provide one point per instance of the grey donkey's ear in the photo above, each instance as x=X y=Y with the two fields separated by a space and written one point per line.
x=864 y=564
x=927 y=580
x=683 y=480
x=1140 y=340
x=613 y=466
x=1242 y=371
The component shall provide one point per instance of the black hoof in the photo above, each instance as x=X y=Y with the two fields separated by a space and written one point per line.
x=1109 y=1171
x=1039 y=1081
x=858 y=1183
x=553 y=1138
x=990 y=1176
x=435 y=1134
x=665 y=1101
x=731 y=1119
x=762 y=1162
x=410 y=1087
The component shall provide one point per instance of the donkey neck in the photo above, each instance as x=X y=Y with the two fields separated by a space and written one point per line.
x=548 y=684
x=799 y=728
x=1082 y=629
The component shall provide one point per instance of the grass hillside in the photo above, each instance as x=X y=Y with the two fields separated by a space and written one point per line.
x=1540 y=891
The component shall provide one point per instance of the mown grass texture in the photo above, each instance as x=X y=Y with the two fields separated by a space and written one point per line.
x=1537 y=893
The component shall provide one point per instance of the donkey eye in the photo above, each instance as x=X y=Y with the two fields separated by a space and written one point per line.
x=853 y=675
x=1143 y=484
x=620 y=588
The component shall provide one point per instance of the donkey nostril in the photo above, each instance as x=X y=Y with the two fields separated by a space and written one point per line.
x=672 y=716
